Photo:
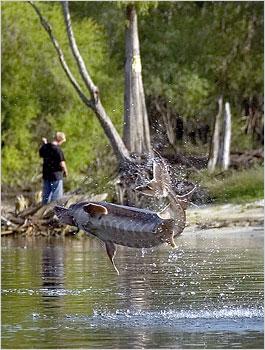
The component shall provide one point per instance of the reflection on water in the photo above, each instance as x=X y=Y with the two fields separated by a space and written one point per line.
x=52 y=275
x=208 y=293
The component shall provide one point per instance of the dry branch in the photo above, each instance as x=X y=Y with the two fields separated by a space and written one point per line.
x=46 y=25
x=95 y=104
x=40 y=219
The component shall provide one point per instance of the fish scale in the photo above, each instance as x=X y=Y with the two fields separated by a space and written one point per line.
x=123 y=232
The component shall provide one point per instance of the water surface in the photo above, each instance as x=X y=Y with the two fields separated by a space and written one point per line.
x=63 y=293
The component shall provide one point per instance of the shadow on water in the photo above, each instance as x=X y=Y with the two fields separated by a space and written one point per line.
x=208 y=293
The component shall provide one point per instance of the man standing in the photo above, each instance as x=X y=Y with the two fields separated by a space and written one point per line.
x=54 y=168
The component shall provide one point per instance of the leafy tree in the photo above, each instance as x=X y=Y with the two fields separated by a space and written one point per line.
x=136 y=130
x=36 y=97
x=199 y=51
x=191 y=53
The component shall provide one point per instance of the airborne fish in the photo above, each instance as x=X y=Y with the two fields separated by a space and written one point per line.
x=129 y=226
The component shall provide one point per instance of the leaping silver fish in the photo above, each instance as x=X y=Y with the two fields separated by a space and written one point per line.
x=130 y=226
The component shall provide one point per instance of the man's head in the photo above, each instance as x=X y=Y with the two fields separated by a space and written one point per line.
x=60 y=137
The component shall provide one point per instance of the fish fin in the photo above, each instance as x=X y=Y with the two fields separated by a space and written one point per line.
x=111 y=251
x=184 y=200
x=95 y=209
x=63 y=215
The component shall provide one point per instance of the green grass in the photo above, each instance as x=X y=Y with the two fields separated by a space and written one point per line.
x=234 y=186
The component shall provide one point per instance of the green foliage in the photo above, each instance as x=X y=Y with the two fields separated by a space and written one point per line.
x=234 y=186
x=142 y=7
x=238 y=133
x=191 y=53
x=38 y=99
x=194 y=52
x=214 y=47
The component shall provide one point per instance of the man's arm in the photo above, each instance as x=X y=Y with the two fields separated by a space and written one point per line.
x=63 y=166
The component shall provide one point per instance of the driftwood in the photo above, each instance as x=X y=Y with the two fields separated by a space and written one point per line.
x=40 y=219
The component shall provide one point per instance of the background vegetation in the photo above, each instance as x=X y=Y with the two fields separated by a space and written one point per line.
x=191 y=53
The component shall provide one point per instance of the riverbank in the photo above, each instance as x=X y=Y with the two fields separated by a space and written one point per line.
x=226 y=215
x=203 y=218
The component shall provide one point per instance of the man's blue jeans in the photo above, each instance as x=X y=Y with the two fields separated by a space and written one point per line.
x=52 y=190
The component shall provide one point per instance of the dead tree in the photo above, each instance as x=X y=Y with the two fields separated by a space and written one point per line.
x=136 y=131
x=215 y=142
x=225 y=161
x=220 y=145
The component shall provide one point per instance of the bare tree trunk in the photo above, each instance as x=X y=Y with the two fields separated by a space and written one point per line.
x=221 y=140
x=136 y=126
x=227 y=137
x=215 y=143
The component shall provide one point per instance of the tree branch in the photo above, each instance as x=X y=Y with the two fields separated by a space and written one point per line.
x=79 y=60
x=59 y=51
x=116 y=141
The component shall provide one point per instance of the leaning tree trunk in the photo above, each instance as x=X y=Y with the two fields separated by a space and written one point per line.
x=215 y=142
x=225 y=161
x=221 y=140
x=136 y=126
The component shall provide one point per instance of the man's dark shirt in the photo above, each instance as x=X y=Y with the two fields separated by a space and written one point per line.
x=52 y=157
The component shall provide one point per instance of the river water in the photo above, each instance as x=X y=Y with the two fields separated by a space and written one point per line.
x=63 y=293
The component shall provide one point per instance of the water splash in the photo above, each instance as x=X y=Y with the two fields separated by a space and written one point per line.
x=216 y=319
x=182 y=314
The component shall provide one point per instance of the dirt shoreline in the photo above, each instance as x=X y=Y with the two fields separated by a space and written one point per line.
x=226 y=215
x=199 y=219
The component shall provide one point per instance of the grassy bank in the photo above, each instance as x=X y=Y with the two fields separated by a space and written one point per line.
x=232 y=186
x=235 y=186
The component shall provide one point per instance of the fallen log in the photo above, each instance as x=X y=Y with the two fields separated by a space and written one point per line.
x=7 y=232
x=40 y=219
x=30 y=211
